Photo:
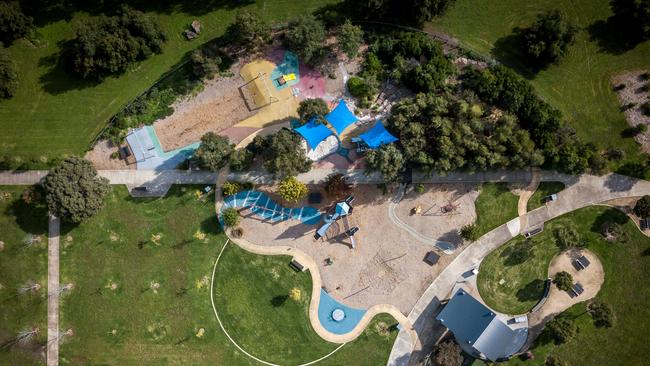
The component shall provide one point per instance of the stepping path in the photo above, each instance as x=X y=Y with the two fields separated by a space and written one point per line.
x=53 y=291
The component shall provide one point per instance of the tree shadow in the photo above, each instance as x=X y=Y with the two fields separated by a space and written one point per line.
x=507 y=50
x=57 y=79
x=611 y=215
x=532 y=291
x=31 y=218
x=614 y=36
x=279 y=300
x=518 y=253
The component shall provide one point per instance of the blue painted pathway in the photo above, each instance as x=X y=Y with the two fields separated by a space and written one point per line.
x=269 y=210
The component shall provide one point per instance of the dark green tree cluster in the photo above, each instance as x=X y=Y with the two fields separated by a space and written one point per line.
x=214 y=151
x=413 y=58
x=642 y=207
x=602 y=313
x=208 y=61
x=74 y=192
x=567 y=237
x=441 y=133
x=8 y=74
x=306 y=37
x=548 y=39
x=349 y=39
x=388 y=160
x=502 y=87
x=14 y=23
x=108 y=45
x=282 y=153
x=561 y=329
x=633 y=17
x=314 y=108
x=414 y=12
x=448 y=353
x=249 y=30
x=563 y=280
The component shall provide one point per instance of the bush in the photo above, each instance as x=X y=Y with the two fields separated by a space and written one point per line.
x=359 y=88
x=8 y=75
x=106 y=45
x=470 y=232
x=349 y=38
x=448 y=353
x=14 y=23
x=306 y=37
x=230 y=217
x=208 y=61
x=214 y=151
x=74 y=192
x=613 y=231
x=615 y=154
x=547 y=40
x=567 y=237
x=601 y=313
x=561 y=329
x=597 y=164
x=241 y=160
x=642 y=207
x=230 y=188
x=292 y=190
x=336 y=185
x=563 y=280
x=312 y=108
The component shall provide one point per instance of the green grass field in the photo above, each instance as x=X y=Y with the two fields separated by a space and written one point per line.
x=625 y=265
x=580 y=84
x=52 y=113
x=544 y=189
x=134 y=243
x=495 y=206
x=20 y=265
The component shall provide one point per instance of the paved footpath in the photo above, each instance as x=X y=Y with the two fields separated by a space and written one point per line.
x=580 y=192
x=53 y=291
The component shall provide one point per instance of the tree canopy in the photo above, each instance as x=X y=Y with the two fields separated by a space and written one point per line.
x=283 y=154
x=312 y=108
x=563 y=280
x=561 y=329
x=602 y=313
x=74 y=192
x=642 y=207
x=214 y=151
x=350 y=38
x=448 y=353
x=14 y=23
x=8 y=75
x=108 y=45
x=547 y=40
x=633 y=16
x=414 y=12
x=306 y=37
x=388 y=160
x=249 y=29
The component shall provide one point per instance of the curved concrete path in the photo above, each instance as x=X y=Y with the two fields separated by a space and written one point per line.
x=580 y=192
x=309 y=263
x=524 y=197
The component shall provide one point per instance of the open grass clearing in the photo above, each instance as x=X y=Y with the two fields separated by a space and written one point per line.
x=543 y=190
x=495 y=206
x=20 y=265
x=624 y=264
x=53 y=113
x=142 y=270
x=580 y=84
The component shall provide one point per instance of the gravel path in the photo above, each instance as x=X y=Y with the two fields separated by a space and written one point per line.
x=53 y=292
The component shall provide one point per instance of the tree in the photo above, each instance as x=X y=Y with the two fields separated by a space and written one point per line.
x=249 y=29
x=388 y=160
x=359 y=88
x=306 y=37
x=337 y=186
x=214 y=151
x=241 y=160
x=469 y=232
x=602 y=313
x=207 y=61
x=8 y=75
x=633 y=16
x=567 y=237
x=613 y=231
x=292 y=190
x=413 y=12
x=230 y=217
x=13 y=23
x=229 y=188
x=312 y=108
x=74 y=192
x=448 y=353
x=563 y=280
x=561 y=329
x=642 y=207
x=283 y=154
x=547 y=40
x=106 y=45
x=350 y=38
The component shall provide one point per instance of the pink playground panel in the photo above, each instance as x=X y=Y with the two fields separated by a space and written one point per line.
x=312 y=83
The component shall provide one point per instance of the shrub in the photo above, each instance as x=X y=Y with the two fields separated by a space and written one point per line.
x=349 y=38
x=597 y=164
x=306 y=37
x=469 y=232
x=547 y=40
x=613 y=231
x=208 y=61
x=292 y=190
x=8 y=75
x=74 y=192
x=563 y=280
x=230 y=217
x=561 y=329
x=230 y=188
x=214 y=151
x=109 y=45
x=336 y=185
x=567 y=237
x=601 y=313
x=359 y=88
x=642 y=207
x=419 y=188
x=616 y=154
x=14 y=23
x=448 y=353
x=241 y=160
x=312 y=108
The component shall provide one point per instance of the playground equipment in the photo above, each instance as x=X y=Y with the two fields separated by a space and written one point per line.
x=450 y=207
x=262 y=94
x=341 y=211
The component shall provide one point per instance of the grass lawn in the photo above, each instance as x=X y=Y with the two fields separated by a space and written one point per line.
x=544 y=189
x=624 y=265
x=53 y=113
x=20 y=265
x=495 y=206
x=579 y=85
x=138 y=243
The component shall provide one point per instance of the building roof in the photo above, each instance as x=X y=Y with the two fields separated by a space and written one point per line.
x=478 y=327
x=340 y=117
x=314 y=133
x=378 y=135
